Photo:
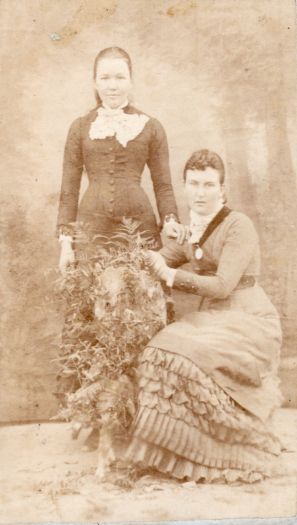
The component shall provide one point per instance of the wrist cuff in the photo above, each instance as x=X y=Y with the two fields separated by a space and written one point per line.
x=66 y=229
x=187 y=282
x=65 y=239
x=170 y=217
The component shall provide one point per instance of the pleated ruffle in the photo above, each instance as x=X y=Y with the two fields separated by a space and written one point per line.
x=167 y=462
x=187 y=425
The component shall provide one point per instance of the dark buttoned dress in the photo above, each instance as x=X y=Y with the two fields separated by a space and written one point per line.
x=114 y=173
x=114 y=191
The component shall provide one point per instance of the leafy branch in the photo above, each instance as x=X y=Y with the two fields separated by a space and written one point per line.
x=114 y=306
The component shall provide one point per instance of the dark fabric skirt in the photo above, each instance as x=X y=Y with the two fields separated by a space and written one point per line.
x=99 y=229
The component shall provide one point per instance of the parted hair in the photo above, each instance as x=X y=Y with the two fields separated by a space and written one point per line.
x=110 y=52
x=202 y=159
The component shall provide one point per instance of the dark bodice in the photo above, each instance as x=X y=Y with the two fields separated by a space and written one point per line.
x=114 y=173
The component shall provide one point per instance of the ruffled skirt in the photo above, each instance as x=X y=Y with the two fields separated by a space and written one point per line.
x=189 y=427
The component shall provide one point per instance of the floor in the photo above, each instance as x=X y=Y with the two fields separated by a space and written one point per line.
x=46 y=476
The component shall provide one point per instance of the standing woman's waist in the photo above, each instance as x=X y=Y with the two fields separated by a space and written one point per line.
x=116 y=196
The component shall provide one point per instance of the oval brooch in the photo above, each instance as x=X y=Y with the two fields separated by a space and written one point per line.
x=198 y=253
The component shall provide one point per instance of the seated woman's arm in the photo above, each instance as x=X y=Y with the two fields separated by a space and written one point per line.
x=171 y=256
x=174 y=254
x=239 y=247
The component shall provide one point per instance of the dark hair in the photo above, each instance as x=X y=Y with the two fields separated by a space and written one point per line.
x=202 y=159
x=111 y=52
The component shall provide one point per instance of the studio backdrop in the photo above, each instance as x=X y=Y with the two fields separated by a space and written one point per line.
x=218 y=74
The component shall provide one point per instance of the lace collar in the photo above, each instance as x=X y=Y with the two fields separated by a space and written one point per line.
x=115 y=122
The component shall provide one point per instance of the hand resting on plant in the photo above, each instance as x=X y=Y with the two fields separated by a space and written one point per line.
x=160 y=268
x=67 y=256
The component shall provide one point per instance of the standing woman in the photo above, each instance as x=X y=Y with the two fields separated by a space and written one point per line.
x=113 y=143
x=208 y=384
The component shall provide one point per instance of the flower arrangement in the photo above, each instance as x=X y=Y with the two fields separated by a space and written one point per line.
x=114 y=306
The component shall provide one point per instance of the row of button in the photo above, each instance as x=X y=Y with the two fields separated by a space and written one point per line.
x=111 y=182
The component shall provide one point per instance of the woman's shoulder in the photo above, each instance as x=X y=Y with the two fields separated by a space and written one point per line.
x=80 y=125
x=84 y=119
x=153 y=121
x=87 y=117
x=239 y=221
x=239 y=217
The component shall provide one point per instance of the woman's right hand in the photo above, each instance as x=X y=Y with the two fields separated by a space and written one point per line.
x=158 y=264
x=67 y=257
x=175 y=230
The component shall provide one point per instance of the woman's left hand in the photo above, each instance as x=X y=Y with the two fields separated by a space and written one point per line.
x=157 y=262
x=175 y=230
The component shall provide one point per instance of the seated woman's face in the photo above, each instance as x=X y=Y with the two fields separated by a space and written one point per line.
x=113 y=81
x=203 y=190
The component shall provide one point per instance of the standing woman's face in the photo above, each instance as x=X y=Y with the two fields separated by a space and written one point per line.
x=113 y=81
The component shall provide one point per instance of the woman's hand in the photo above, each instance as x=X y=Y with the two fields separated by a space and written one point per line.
x=157 y=262
x=67 y=256
x=175 y=230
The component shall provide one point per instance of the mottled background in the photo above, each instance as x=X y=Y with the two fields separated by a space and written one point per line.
x=217 y=73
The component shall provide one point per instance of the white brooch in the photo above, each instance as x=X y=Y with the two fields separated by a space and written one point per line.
x=198 y=252
x=125 y=126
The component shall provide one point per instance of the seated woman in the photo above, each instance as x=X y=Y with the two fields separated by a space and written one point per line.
x=208 y=383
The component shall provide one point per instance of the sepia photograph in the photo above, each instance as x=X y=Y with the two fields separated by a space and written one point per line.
x=148 y=335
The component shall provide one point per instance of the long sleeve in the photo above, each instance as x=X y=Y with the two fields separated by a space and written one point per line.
x=174 y=254
x=158 y=164
x=72 y=173
x=239 y=246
